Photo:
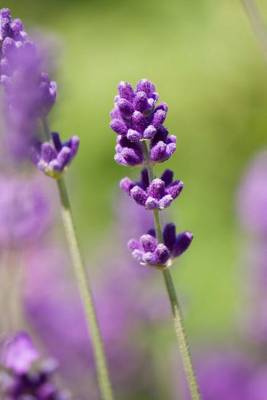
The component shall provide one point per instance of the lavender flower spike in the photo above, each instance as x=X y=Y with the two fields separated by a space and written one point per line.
x=25 y=375
x=144 y=140
x=148 y=251
x=136 y=117
x=54 y=158
x=158 y=194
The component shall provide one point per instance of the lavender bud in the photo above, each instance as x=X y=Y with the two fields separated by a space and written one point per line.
x=133 y=136
x=148 y=242
x=54 y=160
x=182 y=242
x=125 y=108
x=141 y=102
x=119 y=126
x=126 y=91
x=150 y=132
x=139 y=195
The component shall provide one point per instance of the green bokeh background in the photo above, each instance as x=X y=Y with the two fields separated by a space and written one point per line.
x=207 y=66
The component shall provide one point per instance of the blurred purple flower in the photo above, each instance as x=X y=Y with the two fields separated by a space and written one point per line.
x=24 y=375
x=29 y=94
x=224 y=376
x=52 y=160
x=25 y=212
x=252 y=197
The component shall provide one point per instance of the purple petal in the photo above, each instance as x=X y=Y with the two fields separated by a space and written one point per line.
x=169 y=236
x=134 y=136
x=146 y=86
x=48 y=153
x=140 y=102
x=148 y=242
x=156 y=189
x=162 y=254
x=57 y=141
x=139 y=121
x=183 y=241
x=167 y=177
x=126 y=91
x=139 y=195
x=118 y=126
x=165 y=201
x=126 y=184
x=125 y=107
x=158 y=118
x=158 y=152
x=149 y=132
x=151 y=203
x=133 y=244
x=175 y=189
x=144 y=179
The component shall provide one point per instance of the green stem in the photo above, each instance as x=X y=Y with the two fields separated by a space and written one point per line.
x=85 y=292
x=84 y=287
x=175 y=306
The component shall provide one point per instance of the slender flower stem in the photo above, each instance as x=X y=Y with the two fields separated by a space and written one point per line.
x=84 y=288
x=176 y=309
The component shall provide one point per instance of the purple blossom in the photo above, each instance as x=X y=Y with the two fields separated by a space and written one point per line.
x=128 y=153
x=29 y=94
x=158 y=194
x=252 y=197
x=53 y=159
x=25 y=212
x=135 y=118
x=225 y=376
x=19 y=353
x=25 y=375
x=148 y=251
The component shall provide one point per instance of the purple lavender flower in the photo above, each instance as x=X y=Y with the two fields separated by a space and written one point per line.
x=25 y=375
x=128 y=153
x=136 y=117
x=25 y=212
x=252 y=197
x=225 y=376
x=19 y=354
x=148 y=251
x=159 y=194
x=29 y=94
x=52 y=160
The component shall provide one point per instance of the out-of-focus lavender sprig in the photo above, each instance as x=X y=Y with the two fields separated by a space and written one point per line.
x=53 y=159
x=25 y=211
x=251 y=208
x=144 y=140
x=28 y=93
x=24 y=375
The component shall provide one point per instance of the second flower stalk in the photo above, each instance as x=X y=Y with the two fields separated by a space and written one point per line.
x=144 y=140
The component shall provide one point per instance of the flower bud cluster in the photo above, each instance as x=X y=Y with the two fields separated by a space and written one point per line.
x=142 y=139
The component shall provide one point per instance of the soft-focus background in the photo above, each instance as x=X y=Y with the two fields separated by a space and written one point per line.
x=208 y=67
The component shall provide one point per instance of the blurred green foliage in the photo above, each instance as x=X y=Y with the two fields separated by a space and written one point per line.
x=207 y=66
